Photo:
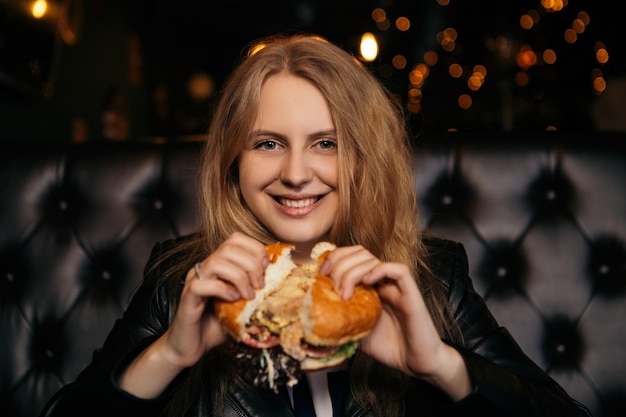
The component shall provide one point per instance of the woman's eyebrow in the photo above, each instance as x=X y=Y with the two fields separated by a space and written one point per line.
x=325 y=132
x=320 y=133
x=264 y=132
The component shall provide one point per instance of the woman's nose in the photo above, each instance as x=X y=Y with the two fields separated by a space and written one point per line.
x=296 y=168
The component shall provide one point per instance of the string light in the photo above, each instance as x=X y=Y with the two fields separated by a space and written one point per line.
x=39 y=9
x=369 y=47
x=531 y=59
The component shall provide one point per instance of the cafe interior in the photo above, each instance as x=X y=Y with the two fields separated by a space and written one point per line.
x=516 y=111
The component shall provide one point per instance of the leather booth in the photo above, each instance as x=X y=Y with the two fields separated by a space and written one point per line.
x=541 y=214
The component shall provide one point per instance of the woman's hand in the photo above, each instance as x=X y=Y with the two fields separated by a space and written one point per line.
x=229 y=273
x=405 y=336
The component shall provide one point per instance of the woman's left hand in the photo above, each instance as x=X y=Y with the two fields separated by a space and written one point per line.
x=405 y=336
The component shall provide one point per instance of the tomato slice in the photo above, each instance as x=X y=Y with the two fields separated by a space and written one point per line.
x=260 y=338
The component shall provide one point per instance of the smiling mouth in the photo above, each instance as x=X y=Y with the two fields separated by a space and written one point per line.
x=297 y=203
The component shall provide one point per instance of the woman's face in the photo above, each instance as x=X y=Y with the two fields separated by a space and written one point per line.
x=288 y=168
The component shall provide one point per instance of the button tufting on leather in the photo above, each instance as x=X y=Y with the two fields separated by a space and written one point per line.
x=446 y=194
x=562 y=343
x=550 y=192
x=45 y=343
x=607 y=266
x=501 y=271
x=542 y=221
x=504 y=268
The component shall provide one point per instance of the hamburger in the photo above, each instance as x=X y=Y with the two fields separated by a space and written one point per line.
x=297 y=322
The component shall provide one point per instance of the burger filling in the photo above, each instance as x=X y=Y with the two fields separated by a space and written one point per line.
x=275 y=328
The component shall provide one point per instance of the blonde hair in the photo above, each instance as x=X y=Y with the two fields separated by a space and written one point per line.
x=371 y=141
x=377 y=202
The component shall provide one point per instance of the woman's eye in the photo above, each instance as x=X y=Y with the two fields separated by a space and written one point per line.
x=327 y=144
x=266 y=144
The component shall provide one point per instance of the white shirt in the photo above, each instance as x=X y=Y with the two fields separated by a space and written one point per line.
x=318 y=381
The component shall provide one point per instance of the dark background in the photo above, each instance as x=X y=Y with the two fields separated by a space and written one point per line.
x=116 y=69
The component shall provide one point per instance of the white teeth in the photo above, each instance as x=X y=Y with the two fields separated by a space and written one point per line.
x=297 y=203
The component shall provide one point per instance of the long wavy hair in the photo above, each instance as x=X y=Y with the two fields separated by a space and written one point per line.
x=377 y=202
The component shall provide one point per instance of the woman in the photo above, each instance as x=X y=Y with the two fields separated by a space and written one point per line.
x=305 y=146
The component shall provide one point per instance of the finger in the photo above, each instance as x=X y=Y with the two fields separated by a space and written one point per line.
x=341 y=260
x=354 y=276
x=397 y=285
x=226 y=271
x=206 y=287
x=249 y=254
x=348 y=267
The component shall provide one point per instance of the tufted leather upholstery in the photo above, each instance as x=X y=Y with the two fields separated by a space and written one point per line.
x=542 y=216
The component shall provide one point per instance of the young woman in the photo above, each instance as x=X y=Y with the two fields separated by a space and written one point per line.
x=305 y=146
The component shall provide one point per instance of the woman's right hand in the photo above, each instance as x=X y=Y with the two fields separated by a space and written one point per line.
x=229 y=273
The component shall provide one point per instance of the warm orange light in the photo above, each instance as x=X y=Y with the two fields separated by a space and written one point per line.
x=403 y=24
x=480 y=70
x=379 y=15
x=450 y=33
x=474 y=82
x=578 y=26
x=369 y=47
x=526 y=22
x=599 y=85
x=526 y=57
x=431 y=58
x=570 y=36
x=553 y=5
x=415 y=95
x=448 y=45
x=398 y=62
x=416 y=78
x=39 y=9
x=549 y=56
x=256 y=48
x=465 y=101
x=422 y=69
x=455 y=70
x=602 y=55
x=521 y=79
x=414 y=107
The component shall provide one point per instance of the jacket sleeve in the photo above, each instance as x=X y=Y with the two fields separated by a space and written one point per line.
x=95 y=392
x=505 y=381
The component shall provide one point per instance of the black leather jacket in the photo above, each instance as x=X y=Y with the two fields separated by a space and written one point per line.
x=505 y=381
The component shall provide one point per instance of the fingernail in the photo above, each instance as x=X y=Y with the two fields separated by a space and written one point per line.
x=251 y=293
x=346 y=293
x=232 y=295
x=324 y=268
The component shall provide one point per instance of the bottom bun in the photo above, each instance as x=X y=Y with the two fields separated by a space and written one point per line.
x=313 y=364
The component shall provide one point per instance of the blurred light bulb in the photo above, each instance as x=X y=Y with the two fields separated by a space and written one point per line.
x=369 y=47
